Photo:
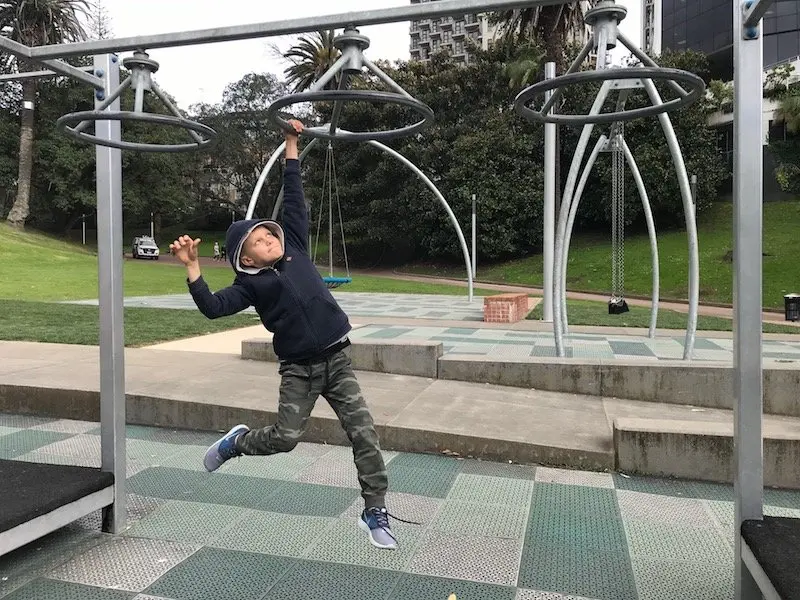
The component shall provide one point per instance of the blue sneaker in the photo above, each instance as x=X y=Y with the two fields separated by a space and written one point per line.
x=375 y=521
x=223 y=449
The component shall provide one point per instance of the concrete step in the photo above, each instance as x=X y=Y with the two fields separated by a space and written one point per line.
x=703 y=449
x=698 y=383
x=210 y=392
x=398 y=357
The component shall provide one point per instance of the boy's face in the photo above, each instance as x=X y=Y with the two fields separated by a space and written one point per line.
x=261 y=248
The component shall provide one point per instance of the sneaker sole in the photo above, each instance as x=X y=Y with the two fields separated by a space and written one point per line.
x=365 y=528
x=213 y=449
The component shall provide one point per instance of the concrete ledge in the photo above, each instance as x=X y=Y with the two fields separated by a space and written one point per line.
x=707 y=384
x=179 y=413
x=699 y=450
x=398 y=357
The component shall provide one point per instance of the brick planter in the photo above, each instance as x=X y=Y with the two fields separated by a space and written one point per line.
x=505 y=308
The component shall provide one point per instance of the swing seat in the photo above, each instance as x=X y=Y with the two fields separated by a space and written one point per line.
x=617 y=306
x=335 y=282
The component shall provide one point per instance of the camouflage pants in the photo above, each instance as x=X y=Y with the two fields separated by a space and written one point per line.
x=333 y=379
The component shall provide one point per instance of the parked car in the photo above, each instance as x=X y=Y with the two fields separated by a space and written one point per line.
x=145 y=247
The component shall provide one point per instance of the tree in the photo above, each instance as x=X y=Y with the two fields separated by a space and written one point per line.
x=245 y=139
x=310 y=58
x=550 y=26
x=789 y=111
x=35 y=23
x=100 y=22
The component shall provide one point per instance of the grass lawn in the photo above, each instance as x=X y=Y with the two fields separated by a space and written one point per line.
x=39 y=267
x=590 y=260
x=583 y=312
x=77 y=324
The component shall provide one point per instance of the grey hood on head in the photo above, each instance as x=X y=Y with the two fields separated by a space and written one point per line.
x=237 y=234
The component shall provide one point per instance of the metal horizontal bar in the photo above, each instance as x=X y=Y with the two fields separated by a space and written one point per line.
x=57 y=66
x=76 y=73
x=27 y=75
x=756 y=12
x=427 y=10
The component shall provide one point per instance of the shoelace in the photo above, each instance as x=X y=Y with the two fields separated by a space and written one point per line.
x=381 y=516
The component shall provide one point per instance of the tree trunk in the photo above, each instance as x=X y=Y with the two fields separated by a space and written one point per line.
x=20 y=210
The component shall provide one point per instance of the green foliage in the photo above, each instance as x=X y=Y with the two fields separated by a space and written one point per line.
x=647 y=142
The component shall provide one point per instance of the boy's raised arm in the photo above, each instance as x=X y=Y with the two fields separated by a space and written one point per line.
x=295 y=215
x=225 y=302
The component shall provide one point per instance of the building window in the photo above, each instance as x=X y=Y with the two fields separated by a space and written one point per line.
x=446 y=37
x=459 y=26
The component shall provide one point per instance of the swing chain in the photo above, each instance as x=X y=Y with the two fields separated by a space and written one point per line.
x=617 y=214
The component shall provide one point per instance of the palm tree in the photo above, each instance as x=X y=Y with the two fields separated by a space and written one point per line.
x=35 y=23
x=550 y=26
x=310 y=58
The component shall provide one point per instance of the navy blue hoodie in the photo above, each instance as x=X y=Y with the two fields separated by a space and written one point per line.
x=290 y=296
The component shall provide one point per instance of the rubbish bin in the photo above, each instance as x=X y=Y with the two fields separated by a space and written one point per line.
x=791 y=304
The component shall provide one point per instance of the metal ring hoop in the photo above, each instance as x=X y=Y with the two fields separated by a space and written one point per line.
x=696 y=84
x=343 y=95
x=75 y=118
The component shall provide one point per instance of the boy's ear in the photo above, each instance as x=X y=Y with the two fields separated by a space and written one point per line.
x=246 y=261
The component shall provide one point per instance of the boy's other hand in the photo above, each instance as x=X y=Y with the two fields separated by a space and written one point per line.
x=185 y=249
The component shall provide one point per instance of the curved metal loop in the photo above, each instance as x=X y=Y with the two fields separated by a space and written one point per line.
x=696 y=84
x=394 y=154
x=77 y=118
x=353 y=95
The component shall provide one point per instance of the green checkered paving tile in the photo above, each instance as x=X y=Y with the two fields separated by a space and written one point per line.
x=420 y=482
x=722 y=511
x=578 y=571
x=188 y=458
x=652 y=485
x=665 y=541
x=286 y=467
x=672 y=580
x=568 y=529
x=43 y=555
x=209 y=488
x=491 y=490
x=27 y=440
x=216 y=574
x=710 y=491
x=345 y=542
x=171 y=436
x=459 y=331
x=330 y=581
x=782 y=498
x=491 y=469
x=273 y=533
x=309 y=499
x=479 y=519
x=22 y=421
x=151 y=452
x=50 y=589
x=423 y=587
x=556 y=498
x=186 y=522
x=427 y=461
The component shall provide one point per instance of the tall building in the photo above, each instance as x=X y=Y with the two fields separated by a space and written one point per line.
x=707 y=26
x=429 y=36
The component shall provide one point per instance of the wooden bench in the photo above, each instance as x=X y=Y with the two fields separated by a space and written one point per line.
x=505 y=308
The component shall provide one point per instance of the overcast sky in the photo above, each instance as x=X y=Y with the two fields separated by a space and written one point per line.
x=200 y=73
